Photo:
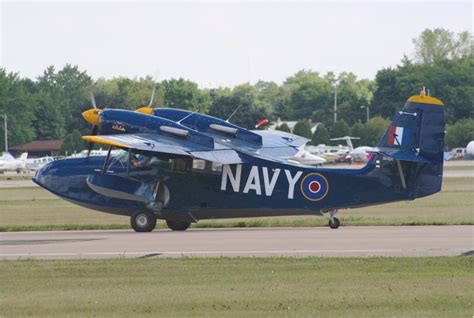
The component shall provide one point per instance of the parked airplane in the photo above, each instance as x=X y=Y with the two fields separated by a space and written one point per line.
x=93 y=152
x=9 y=163
x=328 y=153
x=308 y=159
x=360 y=154
x=35 y=164
x=183 y=167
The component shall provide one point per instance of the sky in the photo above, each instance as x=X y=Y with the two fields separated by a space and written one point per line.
x=218 y=43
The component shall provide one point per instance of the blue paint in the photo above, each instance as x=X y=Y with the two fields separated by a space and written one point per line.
x=258 y=181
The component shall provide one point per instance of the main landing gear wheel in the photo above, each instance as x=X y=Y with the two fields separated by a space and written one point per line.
x=143 y=221
x=334 y=223
x=177 y=226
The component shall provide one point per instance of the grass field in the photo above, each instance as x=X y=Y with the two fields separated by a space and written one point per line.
x=33 y=208
x=256 y=287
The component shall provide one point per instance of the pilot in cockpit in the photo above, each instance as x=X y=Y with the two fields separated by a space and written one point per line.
x=141 y=161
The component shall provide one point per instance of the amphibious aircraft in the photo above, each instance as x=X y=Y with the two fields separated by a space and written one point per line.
x=182 y=167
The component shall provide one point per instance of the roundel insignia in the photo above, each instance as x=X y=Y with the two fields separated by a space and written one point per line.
x=314 y=186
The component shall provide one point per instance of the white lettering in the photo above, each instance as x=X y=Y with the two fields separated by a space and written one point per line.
x=234 y=180
x=253 y=182
x=291 y=182
x=270 y=184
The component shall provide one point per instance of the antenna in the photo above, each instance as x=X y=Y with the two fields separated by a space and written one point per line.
x=235 y=111
x=423 y=91
x=185 y=117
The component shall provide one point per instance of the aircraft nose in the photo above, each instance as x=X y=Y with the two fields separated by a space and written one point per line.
x=43 y=176
x=92 y=116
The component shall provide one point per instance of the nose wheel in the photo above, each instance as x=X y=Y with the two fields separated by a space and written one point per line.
x=334 y=222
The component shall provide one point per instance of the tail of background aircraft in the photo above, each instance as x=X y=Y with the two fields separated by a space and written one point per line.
x=23 y=157
x=415 y=140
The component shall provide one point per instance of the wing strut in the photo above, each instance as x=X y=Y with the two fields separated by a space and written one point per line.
x=402 y=176
x=104 y=167
x=129 y=162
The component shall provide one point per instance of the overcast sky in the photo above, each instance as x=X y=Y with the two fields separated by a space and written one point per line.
x=217 y=44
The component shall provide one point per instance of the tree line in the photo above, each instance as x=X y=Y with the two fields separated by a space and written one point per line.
x=50 y=106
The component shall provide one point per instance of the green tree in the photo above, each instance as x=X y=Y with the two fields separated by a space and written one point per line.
x=436 y=45
x=16 y=101
x=225 y=102
x=268 y=96
x=303 y=129
x=460 y=133
x=374 y=130
x=72 y=143
x=340 y=129
x=309 y=93
x=321 y=136
x=359 y=130
x=452 y=81
x=185 y=94
x=48 y=122
x=284 y=127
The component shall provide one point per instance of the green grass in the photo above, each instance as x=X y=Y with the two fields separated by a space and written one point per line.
x=15 y=177
x=250 y=287
x=459 y=168
x=32 y=208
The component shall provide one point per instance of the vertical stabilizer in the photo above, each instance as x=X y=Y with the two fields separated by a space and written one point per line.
x=415 y=141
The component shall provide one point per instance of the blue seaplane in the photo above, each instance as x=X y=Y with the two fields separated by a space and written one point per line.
x=182 y=167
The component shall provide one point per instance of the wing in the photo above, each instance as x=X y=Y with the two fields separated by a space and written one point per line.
x=155 y=144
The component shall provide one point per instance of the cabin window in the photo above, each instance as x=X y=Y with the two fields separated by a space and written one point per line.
x=180 y=164
x=199 y=164
x=216 y=167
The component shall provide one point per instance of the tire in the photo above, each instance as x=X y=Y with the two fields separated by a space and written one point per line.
x=177 y=226
x=143 y=221
x=334 y=223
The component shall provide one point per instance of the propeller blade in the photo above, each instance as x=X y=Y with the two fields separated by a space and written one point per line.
x=93 y=100
x=152 y=96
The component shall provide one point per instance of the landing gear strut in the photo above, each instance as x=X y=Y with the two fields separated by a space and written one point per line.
x=177 y=226
x=334 y=222
x=143 y=221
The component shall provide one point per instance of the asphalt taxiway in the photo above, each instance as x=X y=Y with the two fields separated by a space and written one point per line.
x=411 y=241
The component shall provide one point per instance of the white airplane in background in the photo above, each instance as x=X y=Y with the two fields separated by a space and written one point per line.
x=94 y=152
x=9 y=163
x=361 y=153
x=329 y=153
x=308 y=159
x=35 y=164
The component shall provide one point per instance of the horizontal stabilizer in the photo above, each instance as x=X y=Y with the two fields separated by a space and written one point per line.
x=404 y=155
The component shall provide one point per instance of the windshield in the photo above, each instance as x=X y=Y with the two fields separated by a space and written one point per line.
x=121 y=159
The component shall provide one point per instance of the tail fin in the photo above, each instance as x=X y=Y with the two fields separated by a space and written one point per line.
x=418 y=127
x=415 y=139
x=23 y=157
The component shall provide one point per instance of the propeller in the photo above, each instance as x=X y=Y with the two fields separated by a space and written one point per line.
x=92 y=116
x=148 y=110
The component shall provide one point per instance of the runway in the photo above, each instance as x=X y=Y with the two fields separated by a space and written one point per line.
x=409 y=241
